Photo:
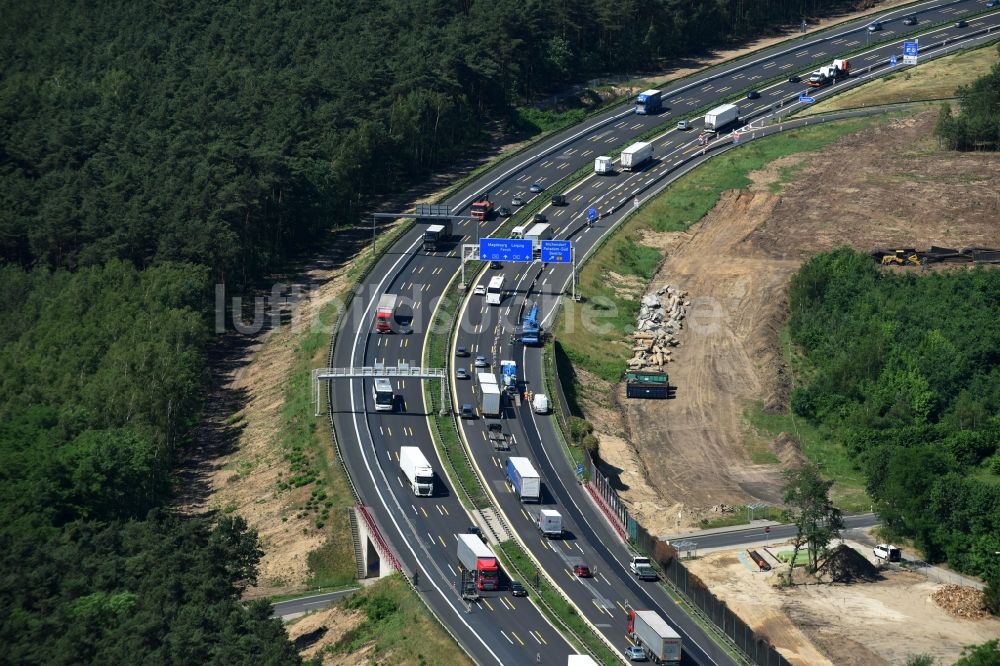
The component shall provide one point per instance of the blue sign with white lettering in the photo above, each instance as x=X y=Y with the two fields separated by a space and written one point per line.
x=591 y=214
x=910 y=53
x=557 y=251
x=892 y=61
x=579 y=469
x=805 y=99
x=505 y=249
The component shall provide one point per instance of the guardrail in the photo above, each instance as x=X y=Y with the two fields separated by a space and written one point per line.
x=380 y=543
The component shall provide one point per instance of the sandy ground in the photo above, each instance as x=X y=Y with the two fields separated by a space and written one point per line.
x=315 y=631
x=860 y=624
x=891 y=187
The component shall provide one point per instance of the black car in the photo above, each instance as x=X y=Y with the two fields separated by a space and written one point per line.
x=503 y=211
x=467 y=412
x=517 y=590
x=461 y=351
x=495 y=265
x=753 y=94
x=539 y=218
x=558 y=200
x=875 y=27
x=910 y=20
x=794 y=78
x=518 y=200
x=961 y=24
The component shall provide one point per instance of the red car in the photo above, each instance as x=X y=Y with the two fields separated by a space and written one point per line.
x=582 y=569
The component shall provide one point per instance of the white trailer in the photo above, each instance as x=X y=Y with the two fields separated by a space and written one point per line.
x=655 y=636
x=489 y=393
x=636 y=155
x=417 y=470
x=603 y=165
x=550 y=523
x=537 y=233
x=721 y=116
x=524 y=479
x=580 y=660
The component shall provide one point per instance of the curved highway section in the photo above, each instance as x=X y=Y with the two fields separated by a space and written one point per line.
x=500 y=628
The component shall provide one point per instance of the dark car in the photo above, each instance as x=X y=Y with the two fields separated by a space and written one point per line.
x=539 y=218
x=503 y=211
x=875 y=27
x=961 y=24
x=518 y=200
x=536 y=187
x=582 y=569
x=753 y=94
x=517 y=590
x=558 y=200
x=495 y=265
x=461 y=351
x=467 y=411
x=794 y=78
x=474 y=529
x=912 y=20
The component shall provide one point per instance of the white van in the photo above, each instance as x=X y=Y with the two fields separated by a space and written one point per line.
x=518 y=232
x=540 y=403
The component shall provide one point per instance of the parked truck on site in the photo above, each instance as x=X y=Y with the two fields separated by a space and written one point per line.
x=436 y=236
x=642 y=569
x=649 y=102
x=417 y=470
x=385 y=312
x=476 y=557
x=651 y=632
x=481 y=207
x=721 y=116
x=840 y=69
x=636 y=155
x=489 y=394
x=603 y=165
x=647 y=384
x=550 y=523
x=524 y=479
x=536 y=234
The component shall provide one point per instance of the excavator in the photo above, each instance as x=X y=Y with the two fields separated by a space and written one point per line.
x=901 y=257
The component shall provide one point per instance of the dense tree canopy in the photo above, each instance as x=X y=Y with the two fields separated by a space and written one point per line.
x=977 y=127
x=229 y=134
x=907 y=374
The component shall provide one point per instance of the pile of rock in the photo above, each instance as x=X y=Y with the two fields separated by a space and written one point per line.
x=661 y=317
x=966 y=602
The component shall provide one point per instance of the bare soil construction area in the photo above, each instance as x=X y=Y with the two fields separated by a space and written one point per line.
x=886 y=186
x=856 y=624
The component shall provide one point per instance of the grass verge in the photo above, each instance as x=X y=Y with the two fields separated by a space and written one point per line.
x=933 y=80
x=556 y=607
x=397 y=625
x=592 y=333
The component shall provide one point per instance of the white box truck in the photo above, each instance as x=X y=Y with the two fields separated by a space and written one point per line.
x=580 y=660
x=550 y=523
x=489 y=393
x=524 y=478
x=518 y=232
x=655 y=636
x=417 y=470
x=636 y=155
x=603 y=165
x=721 y=116
x=537 y=233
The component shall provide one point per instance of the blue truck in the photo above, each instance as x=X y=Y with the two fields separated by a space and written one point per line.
x=531 y=329
x=649 y=102
x=524 y=479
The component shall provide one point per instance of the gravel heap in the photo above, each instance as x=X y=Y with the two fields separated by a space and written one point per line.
x=964 y=602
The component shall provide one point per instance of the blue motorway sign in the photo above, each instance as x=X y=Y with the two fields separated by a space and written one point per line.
x=579 y=469
x=557 y=251
x=505 y=249
x=892 y=61
x=805 y=99
x=591 y=214
x=910 y=53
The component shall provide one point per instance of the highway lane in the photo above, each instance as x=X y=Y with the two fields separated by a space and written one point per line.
x=491 y=339
x=428 y=276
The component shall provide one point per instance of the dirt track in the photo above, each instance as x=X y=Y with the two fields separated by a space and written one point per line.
x=885 y=186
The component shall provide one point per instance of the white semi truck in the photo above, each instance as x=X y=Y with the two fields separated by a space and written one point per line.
x=655 y=636
x=489 y=393
x=417 y=470
x=603 y=165
x=636 y=155
x=721 y=116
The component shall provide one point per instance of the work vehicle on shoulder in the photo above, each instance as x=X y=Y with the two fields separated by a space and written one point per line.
x=642 y=569
x=417 y=470
x=655 y=636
